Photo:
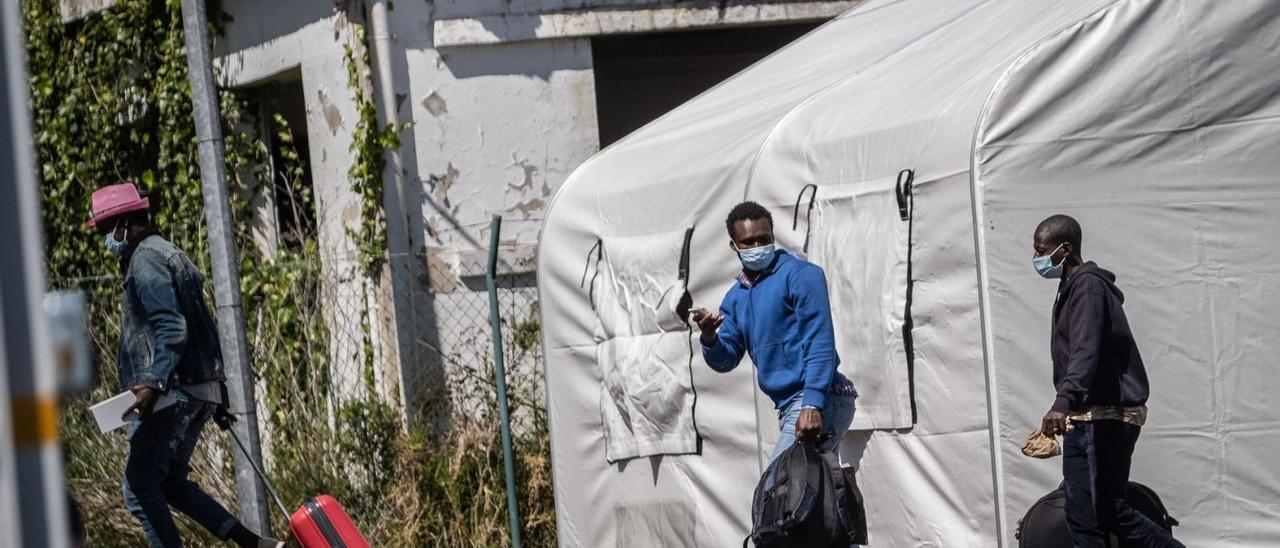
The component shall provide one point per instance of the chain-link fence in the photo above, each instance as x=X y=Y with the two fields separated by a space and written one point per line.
x=377 y=391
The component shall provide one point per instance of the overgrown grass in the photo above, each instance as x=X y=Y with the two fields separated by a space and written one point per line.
x=437 y=492
x=403 y=487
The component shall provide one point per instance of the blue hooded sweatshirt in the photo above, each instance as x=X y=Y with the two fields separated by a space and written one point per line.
x=783 y=320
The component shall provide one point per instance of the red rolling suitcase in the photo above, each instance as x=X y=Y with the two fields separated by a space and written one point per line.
x=322 y=523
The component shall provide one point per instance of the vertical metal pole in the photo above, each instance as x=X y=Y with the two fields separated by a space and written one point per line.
x=226 y=267
x=500 y=377
x=34 y=510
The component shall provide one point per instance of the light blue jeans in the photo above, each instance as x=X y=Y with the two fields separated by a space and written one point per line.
x=155 y=475
x=836 y=418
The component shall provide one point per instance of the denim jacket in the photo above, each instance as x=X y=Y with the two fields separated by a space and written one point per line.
x=168 y=337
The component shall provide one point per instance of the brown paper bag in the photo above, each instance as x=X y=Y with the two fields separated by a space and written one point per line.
x=1040 y=446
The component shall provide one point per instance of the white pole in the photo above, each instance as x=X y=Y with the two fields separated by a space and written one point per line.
x=35 y=512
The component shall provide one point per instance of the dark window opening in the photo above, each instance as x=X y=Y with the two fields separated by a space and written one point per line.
x=282 y=117
x=641 y=77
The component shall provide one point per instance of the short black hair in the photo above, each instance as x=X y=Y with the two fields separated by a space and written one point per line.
x=1060 y=229
x=746 y=211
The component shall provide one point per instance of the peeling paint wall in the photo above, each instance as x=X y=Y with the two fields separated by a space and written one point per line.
x=265 y=41
x=268 y=39
x=467 y=22
x=496 y=129
x=474 y=8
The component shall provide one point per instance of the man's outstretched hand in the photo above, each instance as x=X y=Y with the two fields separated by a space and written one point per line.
x=146 y=401
x=809 y=424
x=708 y=323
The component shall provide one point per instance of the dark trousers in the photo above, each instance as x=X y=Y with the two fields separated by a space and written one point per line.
x=155 y=474
x=1095 y=467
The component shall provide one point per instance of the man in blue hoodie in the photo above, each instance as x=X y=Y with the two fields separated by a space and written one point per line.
x=1102 y=391
x=778 y=312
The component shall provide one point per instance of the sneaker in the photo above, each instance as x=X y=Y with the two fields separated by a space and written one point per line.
x=270 y=543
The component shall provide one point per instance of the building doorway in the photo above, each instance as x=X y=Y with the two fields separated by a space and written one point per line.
x=641 y=77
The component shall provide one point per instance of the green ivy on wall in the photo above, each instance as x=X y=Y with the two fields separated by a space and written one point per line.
x=368 y=146
x=112 y=103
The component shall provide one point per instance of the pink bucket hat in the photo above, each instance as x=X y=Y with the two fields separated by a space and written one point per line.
x=112 y=200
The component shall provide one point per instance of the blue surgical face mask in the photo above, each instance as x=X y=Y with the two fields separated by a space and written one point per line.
x=1044 y=264
x=113 y=245
x=757 y=259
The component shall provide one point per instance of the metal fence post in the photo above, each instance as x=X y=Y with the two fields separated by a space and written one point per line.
x=500 y=377
x=226 y=267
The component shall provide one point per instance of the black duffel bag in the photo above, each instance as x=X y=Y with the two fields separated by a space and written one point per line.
x=811 y=502
x=1045 y=524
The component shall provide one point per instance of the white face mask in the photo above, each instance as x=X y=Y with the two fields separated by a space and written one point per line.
x=757 y=259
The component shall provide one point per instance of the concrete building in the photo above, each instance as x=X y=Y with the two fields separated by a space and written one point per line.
x=504 y=98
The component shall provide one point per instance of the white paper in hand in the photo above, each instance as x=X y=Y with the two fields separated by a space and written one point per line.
x=107 y=412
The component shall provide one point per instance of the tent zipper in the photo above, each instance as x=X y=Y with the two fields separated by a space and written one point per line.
x=906 y=211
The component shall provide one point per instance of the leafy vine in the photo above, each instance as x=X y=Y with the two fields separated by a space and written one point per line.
x=111 y=101
x=369 y=143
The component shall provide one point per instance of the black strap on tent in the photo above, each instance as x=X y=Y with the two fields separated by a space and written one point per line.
x=682 y=310
x=684 y=255
x=598 y=251
x=686 y=300
x=905 y=200
x=906 y=210
x=808 y=215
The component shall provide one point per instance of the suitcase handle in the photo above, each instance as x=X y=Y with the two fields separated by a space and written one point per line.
x=224 y=420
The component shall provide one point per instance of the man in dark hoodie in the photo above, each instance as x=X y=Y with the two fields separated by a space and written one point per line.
x=1101 y=391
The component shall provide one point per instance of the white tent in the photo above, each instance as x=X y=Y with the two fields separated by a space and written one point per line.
x=1156 y=123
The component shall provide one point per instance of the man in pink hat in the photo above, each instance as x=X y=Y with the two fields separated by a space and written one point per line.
x=168 y=346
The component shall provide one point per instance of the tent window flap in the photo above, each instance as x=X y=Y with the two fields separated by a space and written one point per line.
x=859 y=239
x=644 y=346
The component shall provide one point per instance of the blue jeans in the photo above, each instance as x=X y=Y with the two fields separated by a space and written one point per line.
x=836 y=418
x=155 y=475
x=1095 y=468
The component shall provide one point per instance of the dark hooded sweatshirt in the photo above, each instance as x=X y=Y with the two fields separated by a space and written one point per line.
x=1095 y=359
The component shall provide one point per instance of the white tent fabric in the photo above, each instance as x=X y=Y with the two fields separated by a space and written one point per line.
x=870 y=289
x=1154 y=122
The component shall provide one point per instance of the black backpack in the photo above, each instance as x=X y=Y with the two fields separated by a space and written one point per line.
x=811 y=502
x=1045 y=525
